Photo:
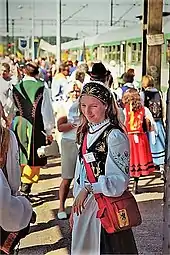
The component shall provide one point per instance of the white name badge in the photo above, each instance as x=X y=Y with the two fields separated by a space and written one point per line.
x=89 y=157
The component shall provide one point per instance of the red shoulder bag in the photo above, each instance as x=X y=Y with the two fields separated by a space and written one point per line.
x=115 y=213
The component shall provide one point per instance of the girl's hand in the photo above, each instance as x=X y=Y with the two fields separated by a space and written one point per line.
x=71 y=222
x=79 y=202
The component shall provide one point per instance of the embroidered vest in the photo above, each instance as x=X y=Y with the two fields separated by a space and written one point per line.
x=100 y=150
x=154 y=103
x=28 y=97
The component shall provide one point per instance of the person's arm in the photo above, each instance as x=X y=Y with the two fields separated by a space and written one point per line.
x=55 y=88
x=116 y=178
x=119 y=93
x=12 y=164
x=150 y=122
x=151 y=125
x=15 y=211
x=63 y=125
x=47 y=113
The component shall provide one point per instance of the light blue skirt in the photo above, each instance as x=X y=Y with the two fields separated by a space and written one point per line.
x=158 y=149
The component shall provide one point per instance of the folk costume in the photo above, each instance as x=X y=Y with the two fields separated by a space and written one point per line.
x=15 y=210
x=33 y=117
x=141 y=162
x=110 y=148
x=12 y=206
x=153 y=100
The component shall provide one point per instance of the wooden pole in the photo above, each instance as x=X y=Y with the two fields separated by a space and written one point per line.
x=111 y=13
x=144 y=41
x=166 y=207
x=154 y=32
x=7 y=25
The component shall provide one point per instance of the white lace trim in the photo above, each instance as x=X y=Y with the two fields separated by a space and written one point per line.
x=98 y=126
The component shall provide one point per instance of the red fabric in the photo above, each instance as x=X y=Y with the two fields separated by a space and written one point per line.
x=134 y=120
x=141 y=162
x=89 y=172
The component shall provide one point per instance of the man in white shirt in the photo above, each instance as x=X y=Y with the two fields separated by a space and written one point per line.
x=59 y=86
x=5 y=83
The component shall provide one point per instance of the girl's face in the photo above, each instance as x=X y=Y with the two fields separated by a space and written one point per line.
x=93 y=109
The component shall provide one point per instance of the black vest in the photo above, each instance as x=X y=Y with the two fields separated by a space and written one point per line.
x=154 y=103
x=100 y=150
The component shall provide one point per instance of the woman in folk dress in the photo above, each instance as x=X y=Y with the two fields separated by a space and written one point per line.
x=138 y=120
x=109 y=146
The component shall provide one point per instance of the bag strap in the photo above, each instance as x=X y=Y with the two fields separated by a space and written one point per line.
x=89 y=172
x=4 y=150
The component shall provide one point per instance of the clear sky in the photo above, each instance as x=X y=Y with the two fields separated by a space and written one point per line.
x=93 y=18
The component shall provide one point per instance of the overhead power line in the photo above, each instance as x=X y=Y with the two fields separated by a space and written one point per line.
x=72 y=15
x=126 y=12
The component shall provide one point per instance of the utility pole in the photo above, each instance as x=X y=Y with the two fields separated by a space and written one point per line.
x=32 y=37
x=58 y=33
x=166 y=207
x=111 y=13
x=13 y=38
x=155 y=40
x=7 y=24
x=144 y=41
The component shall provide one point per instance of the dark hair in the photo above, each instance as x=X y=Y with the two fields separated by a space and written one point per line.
x=128 y=77
x=109 y=79
x=31 y=69
x=7 y=66
x=80 y=76
x=62 y=67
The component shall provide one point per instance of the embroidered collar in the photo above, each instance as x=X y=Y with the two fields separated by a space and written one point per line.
x=93 y=128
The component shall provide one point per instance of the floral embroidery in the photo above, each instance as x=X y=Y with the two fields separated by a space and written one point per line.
x=100 y=150
x=17 y=157
x=122 y=160
x=18 y=104
x=34 y=106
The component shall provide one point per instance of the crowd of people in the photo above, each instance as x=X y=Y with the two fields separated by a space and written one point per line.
x=123 y=128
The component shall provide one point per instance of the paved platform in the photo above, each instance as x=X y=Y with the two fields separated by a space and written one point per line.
x=51 y=236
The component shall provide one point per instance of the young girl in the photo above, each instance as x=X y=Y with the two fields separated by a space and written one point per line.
x=153 y=100
x=108 y=148
x=138 y=120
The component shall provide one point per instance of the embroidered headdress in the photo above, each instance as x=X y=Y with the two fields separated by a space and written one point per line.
x=98 y=90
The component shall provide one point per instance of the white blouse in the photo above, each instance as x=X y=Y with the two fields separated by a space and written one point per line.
x=15 y=210
x=116 y=178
